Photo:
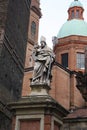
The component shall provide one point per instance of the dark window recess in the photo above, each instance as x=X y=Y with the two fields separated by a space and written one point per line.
x=72 y=14
x=64 y=59
x=77 y=13
x=33 y=29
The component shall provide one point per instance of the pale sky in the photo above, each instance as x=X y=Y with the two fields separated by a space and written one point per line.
x=54 y=15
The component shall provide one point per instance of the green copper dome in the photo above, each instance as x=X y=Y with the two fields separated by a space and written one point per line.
x=73 y=27
x=76 y=3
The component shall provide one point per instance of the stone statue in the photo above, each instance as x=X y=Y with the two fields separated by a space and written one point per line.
x=43 y=57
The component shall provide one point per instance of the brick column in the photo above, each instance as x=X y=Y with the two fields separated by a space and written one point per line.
x=47 y=122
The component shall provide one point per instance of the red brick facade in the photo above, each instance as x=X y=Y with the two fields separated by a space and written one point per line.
x=35 y=15
x=63 y=86
x=47 y=114
x=29 y=124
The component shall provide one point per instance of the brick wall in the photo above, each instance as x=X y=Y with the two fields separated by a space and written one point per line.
x=30 y=124
x=60 y=86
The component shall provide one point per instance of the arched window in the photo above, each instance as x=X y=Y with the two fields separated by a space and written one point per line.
x=72 y=14
x=33 y=29
x=64 y=59
x=77 y=13
x=80 y=60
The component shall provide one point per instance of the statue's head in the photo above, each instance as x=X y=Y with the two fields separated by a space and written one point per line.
x=43 y=41
x=43 y=44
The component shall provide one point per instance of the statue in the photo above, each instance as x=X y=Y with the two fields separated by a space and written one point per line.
x=44 y=58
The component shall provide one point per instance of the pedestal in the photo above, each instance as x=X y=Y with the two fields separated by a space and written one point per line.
x=37 y=113
x=39 y=89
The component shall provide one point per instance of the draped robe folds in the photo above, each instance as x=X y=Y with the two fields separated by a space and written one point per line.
x=42 y=58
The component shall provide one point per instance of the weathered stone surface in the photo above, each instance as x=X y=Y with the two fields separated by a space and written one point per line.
x=43 y=108
x=39 y=89
x=14 y=47
x=4 y=122
x=3 y=12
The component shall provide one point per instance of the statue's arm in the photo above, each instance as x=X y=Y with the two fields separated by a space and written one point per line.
x=34 y=56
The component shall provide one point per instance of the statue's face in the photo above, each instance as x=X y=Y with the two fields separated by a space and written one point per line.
x=42 y=44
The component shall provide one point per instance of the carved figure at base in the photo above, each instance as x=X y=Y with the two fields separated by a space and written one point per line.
x=43 y=57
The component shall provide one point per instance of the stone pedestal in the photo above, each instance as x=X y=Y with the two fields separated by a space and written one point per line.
x=39 y=89
x=37 y=112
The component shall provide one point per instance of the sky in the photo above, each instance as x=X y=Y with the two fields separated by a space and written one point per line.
x=54 y=15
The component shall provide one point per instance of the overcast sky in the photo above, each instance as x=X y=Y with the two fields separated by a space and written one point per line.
x=54 y=15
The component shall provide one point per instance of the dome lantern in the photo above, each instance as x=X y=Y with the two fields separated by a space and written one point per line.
x=75 y=24
x=75 y=10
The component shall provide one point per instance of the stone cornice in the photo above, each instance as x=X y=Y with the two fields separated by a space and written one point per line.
x=73 y=120
x=81 y=40
x=28 y=69
x=46 y=103
x=30 y=41
x=36 y=10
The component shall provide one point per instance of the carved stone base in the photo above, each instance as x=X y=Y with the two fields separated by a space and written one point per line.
x=37 y=113
x=39 y=89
